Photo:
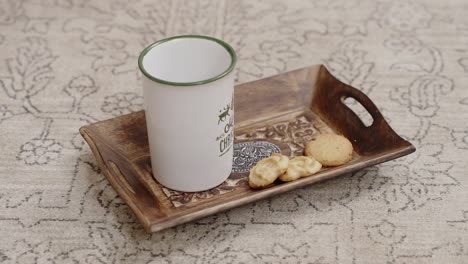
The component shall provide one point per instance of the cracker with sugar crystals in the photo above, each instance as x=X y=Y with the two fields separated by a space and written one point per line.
x=299 y=167
x=267 y=170
x=282 y=160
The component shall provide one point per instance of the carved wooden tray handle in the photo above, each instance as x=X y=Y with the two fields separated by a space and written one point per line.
x=328 y=103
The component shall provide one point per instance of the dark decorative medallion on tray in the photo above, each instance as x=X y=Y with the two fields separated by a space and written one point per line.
x=247 y=154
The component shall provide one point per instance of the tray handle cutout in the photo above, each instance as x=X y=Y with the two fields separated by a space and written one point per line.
x=124 y=179
x=327 y=102
x=358 y=99
x=359 y=110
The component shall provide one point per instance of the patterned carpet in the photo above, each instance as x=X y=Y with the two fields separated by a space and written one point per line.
x=67 y=63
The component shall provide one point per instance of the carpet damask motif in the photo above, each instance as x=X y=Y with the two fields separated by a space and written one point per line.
x=67 y=63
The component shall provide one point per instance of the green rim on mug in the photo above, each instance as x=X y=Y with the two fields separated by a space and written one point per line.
x=217 y=77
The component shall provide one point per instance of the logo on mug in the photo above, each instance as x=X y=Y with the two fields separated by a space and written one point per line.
x=226 y=120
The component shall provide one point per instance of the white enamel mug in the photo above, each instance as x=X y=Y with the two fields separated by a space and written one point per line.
x=188 y=86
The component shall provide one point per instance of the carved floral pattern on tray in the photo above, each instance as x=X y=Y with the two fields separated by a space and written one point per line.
x=295 y=133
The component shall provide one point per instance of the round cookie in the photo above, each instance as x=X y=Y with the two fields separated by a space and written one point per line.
x=330 y=149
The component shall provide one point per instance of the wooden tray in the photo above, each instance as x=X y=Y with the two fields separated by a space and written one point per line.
x=279 y=113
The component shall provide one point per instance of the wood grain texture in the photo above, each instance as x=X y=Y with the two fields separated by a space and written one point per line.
x=286 y=110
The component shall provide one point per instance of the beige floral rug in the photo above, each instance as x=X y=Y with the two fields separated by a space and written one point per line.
x=67 y=63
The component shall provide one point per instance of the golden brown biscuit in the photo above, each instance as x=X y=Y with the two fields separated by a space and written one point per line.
x=300 y=167
x=282 y=160
x=265 y=172
x=330 y=149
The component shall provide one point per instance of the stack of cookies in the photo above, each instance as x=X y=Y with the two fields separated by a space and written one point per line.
x=324 y=150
